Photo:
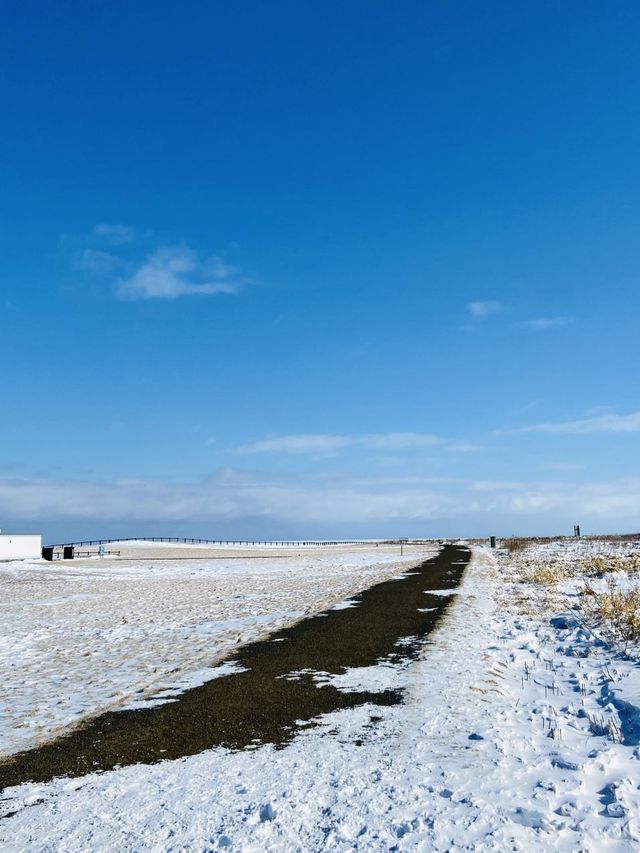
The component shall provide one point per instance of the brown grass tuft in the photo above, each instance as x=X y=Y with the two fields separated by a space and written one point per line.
x=515 y=544
x=548 y=574
x=615 y=613
x=601 y=565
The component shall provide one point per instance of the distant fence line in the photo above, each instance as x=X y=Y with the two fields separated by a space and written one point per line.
x=192 y=541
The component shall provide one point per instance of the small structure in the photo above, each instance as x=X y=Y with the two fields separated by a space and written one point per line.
x=20 y=546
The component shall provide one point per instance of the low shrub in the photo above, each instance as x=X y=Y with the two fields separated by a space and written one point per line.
x=603 y=564
x=614 y=613
x=548 y=574
x=514 y=544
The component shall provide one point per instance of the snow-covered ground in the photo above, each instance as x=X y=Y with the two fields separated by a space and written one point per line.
x=149 y=549
x=79 y=638
x=503 y=744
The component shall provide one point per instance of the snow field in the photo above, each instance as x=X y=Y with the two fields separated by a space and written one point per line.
x=78 y=639
x=497 y=747
x=145 y=548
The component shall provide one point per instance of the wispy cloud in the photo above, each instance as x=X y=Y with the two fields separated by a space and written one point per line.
x=564 y=467
x=174 y=271
x=324 y=501
x=532 y=404
x=121 y=256
x=117 y=235
x=542 y=324
x=484 y=309
x=606 y=423
x=329 y=444
x=96 y=261
x=226 y=495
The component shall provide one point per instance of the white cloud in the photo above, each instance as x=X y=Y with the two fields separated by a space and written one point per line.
x=606 y=423
x=565 y=467
x=611 y=501
x=227 y=495
x=297 y=444
x=601 y=409
x=118 y=235
x=325 y=501
x=542 y=324
x=399 y=440
x=484 y=309
x=328 y=444
x=532 y=404
x=174 y=271
x=96 y=261
x=167 y=272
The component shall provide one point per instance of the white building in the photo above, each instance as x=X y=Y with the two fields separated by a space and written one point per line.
x=20 y=546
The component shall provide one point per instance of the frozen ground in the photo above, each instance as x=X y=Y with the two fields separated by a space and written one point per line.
x=504 y=743
x=147 y=549
x=78 y=638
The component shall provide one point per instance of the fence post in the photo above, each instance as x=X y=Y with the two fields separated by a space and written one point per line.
x=493 y=541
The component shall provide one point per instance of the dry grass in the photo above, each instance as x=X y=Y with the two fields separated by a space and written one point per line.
x=515 y=544
x=614 y=537
x=609 y=610
x=615 y=614
x=601 y=727
x=601 y=565
x=548 y=574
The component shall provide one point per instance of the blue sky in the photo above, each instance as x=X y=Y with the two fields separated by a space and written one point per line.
x=343 y=269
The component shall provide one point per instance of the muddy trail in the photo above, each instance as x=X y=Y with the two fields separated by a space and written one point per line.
x=263 y=703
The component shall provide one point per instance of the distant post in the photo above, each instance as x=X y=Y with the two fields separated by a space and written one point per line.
x=493 y=541
x=576 y=530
